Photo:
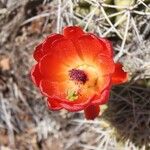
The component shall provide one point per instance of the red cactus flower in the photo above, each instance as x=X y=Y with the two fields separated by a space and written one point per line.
x=75 y=70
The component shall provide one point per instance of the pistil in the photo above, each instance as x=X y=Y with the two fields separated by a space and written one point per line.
x=78 y=76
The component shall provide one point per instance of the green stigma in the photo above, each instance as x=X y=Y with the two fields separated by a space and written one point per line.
x=72 y=95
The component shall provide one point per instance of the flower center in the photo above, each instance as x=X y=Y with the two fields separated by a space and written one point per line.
x=84 y=81
x=78 y=76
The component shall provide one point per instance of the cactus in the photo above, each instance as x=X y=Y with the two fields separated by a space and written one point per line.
x=125 y=3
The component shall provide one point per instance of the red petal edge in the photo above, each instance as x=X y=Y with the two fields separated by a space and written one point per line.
x=71 y=106
x=36 y=75
x=91 y=112
x=64 y=103
x=108 y=45
x=38 y=54
x=53 y=104
x=107 y=49
x=103 y=99
x=47 y=44
x=119 y=76
x=73 y=32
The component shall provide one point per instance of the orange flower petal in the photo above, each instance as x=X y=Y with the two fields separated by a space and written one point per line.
x=65 y=50
x=90 y=46
x=97 y=96
x=52 y=68
x=70 y=106
x=36 y=75
x=102 y=91
x=38 y=54
x=73 y=32
x=54 y=65
x=103 y=83
x=91 y=112
x=53 y=104
x=108 y=50
x=102 y=98
x=58 y=91
x=119 y=76
x=76 y=105
x=53 y=89
x=106 y=64
x=73 y=107
x=47 y=44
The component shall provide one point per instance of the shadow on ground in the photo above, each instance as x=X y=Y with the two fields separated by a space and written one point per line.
x=129 y=112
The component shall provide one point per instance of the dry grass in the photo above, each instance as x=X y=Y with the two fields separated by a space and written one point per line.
x=25 y=121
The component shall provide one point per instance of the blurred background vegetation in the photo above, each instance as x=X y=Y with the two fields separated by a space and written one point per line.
x=25 y=121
